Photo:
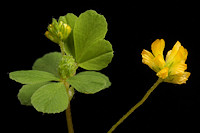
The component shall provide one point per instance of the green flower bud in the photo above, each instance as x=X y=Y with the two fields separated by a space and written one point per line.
x=67 y=66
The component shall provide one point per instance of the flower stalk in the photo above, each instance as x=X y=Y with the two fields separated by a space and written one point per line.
x=136 y=106
x=61 y=44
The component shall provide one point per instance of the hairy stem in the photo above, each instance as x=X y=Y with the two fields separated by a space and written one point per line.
x=136 y=106
x=68 y=112
x=69 y=120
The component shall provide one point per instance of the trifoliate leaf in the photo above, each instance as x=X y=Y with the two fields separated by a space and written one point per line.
x=91 y=50
x=32 y=76
x=50 y=98
x=89 y=82
x=26 y=92
x=48 y=63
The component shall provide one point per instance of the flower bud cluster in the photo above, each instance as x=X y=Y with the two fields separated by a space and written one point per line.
x=67 y=67
x=58 y=31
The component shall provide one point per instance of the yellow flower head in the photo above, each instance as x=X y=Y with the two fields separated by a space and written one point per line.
x=172 y=69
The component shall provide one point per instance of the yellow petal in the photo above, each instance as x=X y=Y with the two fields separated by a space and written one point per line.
x=181 y=55
x=178 y=69
x=179 y=79
x=168 y=55
x=159 y=62
x=157 y=47
x=50 y=37
x=163 y=73
x=147 y=58
x=173 y=52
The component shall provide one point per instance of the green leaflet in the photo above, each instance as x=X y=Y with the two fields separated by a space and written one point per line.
x=97 y=56
x=91 y=50
x=48 y=63
x=50 y=98
x=26 y=92
x=89 y=82
x=32 y=76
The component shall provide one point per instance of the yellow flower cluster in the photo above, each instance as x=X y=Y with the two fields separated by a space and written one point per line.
x=172 y=69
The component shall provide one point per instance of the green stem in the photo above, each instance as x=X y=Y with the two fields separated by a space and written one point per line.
x=136 y=106
x=69 y=120
x=68 y=112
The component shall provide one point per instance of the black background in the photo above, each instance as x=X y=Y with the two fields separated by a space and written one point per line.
x=132 y=27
